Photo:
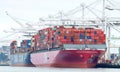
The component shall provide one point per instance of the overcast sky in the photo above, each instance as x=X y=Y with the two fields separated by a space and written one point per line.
x=32 y=10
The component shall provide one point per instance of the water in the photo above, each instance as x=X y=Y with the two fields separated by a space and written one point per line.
x=45 y=69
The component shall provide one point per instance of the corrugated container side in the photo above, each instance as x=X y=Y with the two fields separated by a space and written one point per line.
x=55 y=37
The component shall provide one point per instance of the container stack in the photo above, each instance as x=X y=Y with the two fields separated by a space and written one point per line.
x=13 y=47
x=25 y=45
x=13 y=44
x=94 y=36
x=57 y=36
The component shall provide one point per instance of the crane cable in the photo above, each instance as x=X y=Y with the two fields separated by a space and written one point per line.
x=117 y=29
x=13 y=18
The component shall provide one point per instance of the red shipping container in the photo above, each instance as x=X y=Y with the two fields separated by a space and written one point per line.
x=96 y=37
x=77 y=41
x=87 y=34
x=92 y=30
x=64 y=41
x=76 y=34
x=88 y=30
x=76 y=31
x=103 y=37
x=87 y=41
x=81 y=30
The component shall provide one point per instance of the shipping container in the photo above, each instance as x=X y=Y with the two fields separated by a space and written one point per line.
x=57 y=36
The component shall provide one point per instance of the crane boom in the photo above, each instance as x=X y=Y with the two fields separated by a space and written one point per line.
x=13 y=18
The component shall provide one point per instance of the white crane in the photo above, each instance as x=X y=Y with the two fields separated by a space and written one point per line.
x=27 y=31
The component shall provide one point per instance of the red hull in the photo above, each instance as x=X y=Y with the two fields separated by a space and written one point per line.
x=67 y=58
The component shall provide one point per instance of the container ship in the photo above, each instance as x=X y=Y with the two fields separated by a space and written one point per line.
x=20 y=56
x=68 y=46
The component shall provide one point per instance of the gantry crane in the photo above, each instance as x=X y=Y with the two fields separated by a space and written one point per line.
x=27 y=31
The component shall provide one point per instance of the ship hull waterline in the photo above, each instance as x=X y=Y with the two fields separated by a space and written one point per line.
x=67 y=58
x=21 y=59
x=23 y=65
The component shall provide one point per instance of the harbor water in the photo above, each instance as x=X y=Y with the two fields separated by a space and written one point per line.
x=48 y=69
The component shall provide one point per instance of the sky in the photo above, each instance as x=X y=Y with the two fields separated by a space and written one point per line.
x=32 y=10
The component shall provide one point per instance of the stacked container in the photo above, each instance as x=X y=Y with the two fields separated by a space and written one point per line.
x=57 y=36
x=13 y=46
x=25 y=45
